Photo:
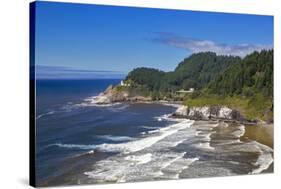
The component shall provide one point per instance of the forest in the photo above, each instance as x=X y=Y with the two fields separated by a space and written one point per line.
x=242 y=83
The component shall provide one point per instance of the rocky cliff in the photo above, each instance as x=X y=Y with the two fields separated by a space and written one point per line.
x=112 y=95
x=210 y=113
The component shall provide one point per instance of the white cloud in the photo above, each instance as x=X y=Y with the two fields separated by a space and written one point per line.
x=195 y=45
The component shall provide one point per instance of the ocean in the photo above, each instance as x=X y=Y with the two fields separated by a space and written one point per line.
x=78 y=142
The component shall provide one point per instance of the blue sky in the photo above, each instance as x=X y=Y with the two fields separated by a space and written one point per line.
x=94 y=41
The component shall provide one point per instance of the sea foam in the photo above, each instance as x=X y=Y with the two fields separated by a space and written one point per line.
x=139 y=144
x=78 y=146
x=265 y=158
x=133 y=145
x=115 y=138
x=95 y=101
x=140 y=159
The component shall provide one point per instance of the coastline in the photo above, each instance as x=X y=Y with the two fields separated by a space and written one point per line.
x=259 y=131
x=210 y=111
x=255 y=129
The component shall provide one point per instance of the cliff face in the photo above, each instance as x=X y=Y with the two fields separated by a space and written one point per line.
x=210 y=113
x=112 y=94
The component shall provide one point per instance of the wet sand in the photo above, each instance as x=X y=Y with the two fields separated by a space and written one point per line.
x=260 y=133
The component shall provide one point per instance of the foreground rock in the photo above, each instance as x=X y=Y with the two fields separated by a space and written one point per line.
x=211 y=113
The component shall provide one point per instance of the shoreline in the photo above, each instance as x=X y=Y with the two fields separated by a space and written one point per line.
x=262 y=134
x=259 y=131
x=137 y=100
x=84 y=180
x=205 y=112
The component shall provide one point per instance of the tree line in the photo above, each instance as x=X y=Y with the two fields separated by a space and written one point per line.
x=211 y=73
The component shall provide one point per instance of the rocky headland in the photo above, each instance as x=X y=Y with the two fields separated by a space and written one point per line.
x=113 y=95
x=224 y=113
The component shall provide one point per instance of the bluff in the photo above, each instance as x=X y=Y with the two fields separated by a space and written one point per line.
x=211 y=113
x=114 y=94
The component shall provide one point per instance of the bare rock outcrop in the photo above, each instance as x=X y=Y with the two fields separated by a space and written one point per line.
x=210 y=113
x=112 y=95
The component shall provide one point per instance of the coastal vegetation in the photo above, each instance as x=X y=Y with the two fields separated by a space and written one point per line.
x=195 y=71
x=244 y=84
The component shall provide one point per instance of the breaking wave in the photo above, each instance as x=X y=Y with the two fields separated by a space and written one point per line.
x=133 y=145
x=45 y=114
x=115 y=138
x=265 y=158
x=93 y=101
x=153 y=156
x=78 y=146
x=145 y=142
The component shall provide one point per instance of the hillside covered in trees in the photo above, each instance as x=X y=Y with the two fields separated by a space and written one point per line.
x=195 y=71
x=245 y=84
x=222 y=75
x=253 y=74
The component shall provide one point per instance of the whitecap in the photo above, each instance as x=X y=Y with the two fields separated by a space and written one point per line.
x=86 y=104
x=45 y=114
x=115 y=138
x=148 y=127
x=77 y=146
x=91 y=152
